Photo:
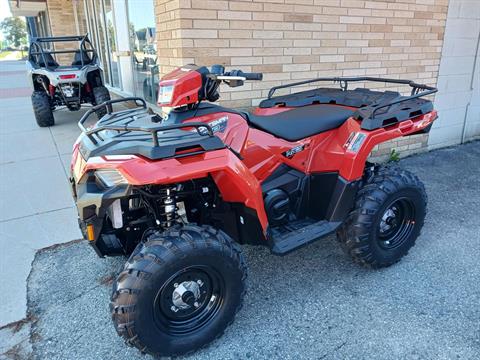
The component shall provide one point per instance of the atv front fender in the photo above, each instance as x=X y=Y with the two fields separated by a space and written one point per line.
x=237 y=184
x=234 y=180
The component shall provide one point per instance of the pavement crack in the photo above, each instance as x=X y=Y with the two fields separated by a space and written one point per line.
x=29 y=159
x=58 y=152
x=34 y=214
x=82 y=294
x=333 y=351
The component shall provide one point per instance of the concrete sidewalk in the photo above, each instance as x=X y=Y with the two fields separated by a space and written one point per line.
x=36 y=208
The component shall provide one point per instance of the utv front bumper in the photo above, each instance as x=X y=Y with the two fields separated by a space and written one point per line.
x=92 y=202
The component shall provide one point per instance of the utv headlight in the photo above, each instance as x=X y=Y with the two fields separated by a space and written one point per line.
x=110 y=177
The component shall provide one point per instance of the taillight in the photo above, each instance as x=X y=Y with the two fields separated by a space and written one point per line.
x=67 y=76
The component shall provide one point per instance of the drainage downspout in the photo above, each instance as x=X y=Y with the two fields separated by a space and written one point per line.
x=75 y=14
x=464 y=129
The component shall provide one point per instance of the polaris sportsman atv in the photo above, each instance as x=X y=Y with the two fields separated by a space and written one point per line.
x=68 y=85
x=179 y=194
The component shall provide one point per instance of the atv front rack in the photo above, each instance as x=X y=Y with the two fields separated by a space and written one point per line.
x=376 y=109
x=111 y=119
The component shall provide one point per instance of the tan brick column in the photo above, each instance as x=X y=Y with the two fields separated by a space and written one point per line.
x=62 y=22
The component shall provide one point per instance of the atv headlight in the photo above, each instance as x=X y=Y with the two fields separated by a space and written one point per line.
x=110 y=177
x=165 y=93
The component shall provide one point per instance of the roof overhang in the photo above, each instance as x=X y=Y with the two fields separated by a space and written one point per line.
x=27 y=7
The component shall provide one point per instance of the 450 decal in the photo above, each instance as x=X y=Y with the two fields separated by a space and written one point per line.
x=289 y=153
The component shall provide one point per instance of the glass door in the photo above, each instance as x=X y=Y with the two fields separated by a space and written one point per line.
x=111 y=41
x=97 y=34
x=141 y=20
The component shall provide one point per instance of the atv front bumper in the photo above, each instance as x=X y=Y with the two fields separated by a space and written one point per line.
x=92 y=203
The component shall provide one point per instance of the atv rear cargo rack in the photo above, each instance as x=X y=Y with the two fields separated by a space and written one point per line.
x=150 y=147
x=376 y=109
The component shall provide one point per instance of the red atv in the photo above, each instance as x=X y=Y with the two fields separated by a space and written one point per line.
x=178 y=194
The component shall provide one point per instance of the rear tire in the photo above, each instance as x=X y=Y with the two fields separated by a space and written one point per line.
x=180 y=291
x=100 y=95
x=42 y=109
x=387 y=218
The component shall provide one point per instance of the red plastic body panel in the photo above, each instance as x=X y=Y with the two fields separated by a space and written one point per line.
x=186 y=82
x=232 y=177
x=240 y=180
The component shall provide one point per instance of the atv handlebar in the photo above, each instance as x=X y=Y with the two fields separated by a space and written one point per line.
x=238 y=75
x=247 y=76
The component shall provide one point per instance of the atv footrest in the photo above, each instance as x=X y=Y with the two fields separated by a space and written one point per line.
x=294 y=235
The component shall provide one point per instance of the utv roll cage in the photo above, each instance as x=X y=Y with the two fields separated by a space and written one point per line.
x=37 y=52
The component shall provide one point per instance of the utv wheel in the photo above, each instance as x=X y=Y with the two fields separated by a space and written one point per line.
x=387 y=218
x=42 y=109
x=100 y=95
x=180 y=291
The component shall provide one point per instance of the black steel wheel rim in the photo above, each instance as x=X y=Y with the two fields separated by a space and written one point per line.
x=179 y=309
x=396 y=224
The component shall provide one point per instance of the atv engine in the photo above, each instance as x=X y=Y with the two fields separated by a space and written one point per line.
x=71 y=94
x=277 y=206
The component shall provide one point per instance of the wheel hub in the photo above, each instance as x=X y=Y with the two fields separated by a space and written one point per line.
x=186 y=294
x=388 y=219
x=189 y=299
x=396 y=224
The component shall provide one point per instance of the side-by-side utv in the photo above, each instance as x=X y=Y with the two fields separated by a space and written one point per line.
x=64 y=71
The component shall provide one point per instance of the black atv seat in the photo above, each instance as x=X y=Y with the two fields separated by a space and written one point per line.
x=302 y=122
x=77 y=59
x=50 y=61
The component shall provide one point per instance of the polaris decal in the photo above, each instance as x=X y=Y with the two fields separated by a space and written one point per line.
x=219 y=125
x=289 y=153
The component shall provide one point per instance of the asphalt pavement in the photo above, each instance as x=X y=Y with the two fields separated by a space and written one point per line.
x=312 y=304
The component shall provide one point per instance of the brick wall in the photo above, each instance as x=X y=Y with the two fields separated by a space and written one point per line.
x=291 y=40
x=62 y=22
x=300 y=39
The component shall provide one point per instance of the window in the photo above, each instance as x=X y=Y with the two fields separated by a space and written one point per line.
x=100 y=19
x=143 y=48
x=112 y=43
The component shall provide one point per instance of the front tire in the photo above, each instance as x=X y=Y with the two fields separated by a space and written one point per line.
x=42 y=109
x=100 y=95
x=387 y=218
x=180 y=291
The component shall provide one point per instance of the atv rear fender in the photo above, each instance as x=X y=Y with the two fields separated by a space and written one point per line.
x=360 y=143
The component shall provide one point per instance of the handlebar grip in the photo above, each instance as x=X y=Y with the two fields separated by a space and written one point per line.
x=253 y=76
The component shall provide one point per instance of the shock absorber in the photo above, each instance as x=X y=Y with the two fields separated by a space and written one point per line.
x=169 y=207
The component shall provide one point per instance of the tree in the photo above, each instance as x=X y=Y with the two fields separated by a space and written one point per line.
x=15 y=30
